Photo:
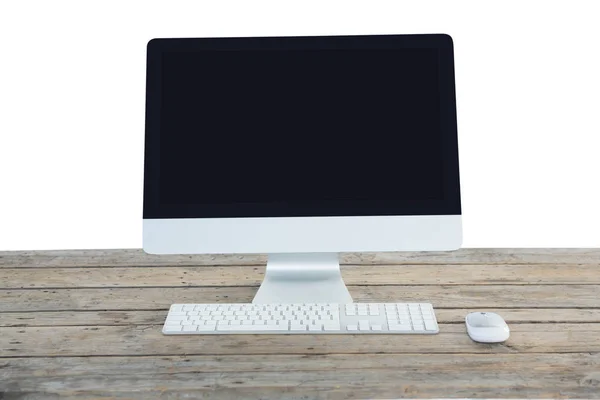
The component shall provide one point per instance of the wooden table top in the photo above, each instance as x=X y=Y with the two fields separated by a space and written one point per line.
x=87 y=324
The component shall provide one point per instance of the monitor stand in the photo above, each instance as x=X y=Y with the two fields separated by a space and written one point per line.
x=303 y=278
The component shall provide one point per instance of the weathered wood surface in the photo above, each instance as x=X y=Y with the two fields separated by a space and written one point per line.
x=86 y=324
x=328 y=376
x=142 y=317
x=136 y=257
x=479 y=274
x=450 y=296
x=131 y=340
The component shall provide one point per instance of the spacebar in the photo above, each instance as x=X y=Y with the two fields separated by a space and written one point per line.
x=251 y=328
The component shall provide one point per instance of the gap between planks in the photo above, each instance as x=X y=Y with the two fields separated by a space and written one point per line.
x=149 y=340
x=380 y=275
x=447 y=296
x=157 y=317
x=136 y=257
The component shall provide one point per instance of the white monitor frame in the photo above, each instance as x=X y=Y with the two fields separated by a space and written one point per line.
x=302 y=234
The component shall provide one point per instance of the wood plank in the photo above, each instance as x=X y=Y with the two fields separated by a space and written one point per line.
x=252 y=276
x=88 y=318
x=148 y=340
x=448 y=296
x=137 y=317
x=307 y=376
x=136 y=257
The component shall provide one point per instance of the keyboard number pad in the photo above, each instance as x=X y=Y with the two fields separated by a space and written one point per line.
x=410 y=317
x=362 y=309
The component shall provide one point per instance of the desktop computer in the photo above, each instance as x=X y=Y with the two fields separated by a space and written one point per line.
x=301 y=148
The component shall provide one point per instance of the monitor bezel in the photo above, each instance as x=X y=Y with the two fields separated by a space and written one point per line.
x=451 y=204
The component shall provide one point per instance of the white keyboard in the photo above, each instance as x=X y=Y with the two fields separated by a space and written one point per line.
x=353 y=318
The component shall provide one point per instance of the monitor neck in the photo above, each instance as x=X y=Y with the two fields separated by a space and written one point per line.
x=303 y=278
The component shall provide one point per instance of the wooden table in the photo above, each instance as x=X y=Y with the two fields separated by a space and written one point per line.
x=87 y=324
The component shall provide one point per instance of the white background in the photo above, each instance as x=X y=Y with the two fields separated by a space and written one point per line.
x=72 y=109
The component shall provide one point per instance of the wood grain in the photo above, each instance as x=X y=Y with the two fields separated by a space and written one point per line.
x=493 y=274
x=136 y=257
x=451 y=296
x=149 y=340
x=331 y=376
x=140 y=317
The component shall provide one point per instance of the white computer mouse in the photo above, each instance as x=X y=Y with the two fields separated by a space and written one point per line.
x=487 y=327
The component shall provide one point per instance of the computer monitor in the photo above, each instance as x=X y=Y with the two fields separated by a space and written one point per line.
x=301 y=148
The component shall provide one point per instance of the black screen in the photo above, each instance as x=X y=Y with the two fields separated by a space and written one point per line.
x=313 y=125
x=321 y=126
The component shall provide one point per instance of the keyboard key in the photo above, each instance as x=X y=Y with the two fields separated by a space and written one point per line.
x=430 y=325
x=352 y=327
x=190 y=328
x=400 y=328
x=177 y=319
x=298 y=327
x=313 y=328
x=170 y=328
x=376 y=327
x=230 y=328
x=363 y=325
x=278 y=328
x=206 y=328
x=177 y=313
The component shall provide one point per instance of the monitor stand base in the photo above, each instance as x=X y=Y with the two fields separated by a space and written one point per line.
x=303 y=278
